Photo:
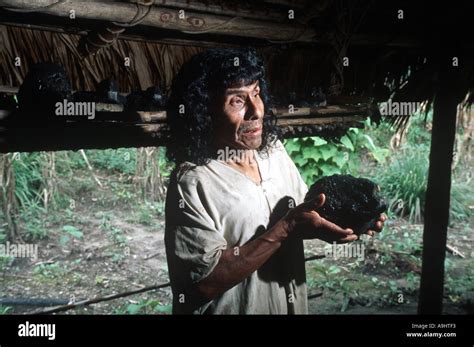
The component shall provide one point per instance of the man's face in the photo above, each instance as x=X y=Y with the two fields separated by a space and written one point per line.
x=238 y=118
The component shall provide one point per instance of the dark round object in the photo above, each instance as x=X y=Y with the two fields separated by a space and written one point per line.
x=151 y=99
x=350 y=202
x=44 y=85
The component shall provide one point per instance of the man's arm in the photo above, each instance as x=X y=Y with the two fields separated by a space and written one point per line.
x=235 y=265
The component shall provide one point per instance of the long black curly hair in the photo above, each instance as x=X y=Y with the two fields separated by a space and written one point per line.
x=203 y=78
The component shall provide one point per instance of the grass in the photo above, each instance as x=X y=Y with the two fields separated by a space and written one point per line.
x=144 y=306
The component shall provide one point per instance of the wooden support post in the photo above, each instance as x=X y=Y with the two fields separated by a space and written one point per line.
x=438 y=196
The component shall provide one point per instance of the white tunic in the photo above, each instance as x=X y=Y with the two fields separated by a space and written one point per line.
x=214 y=207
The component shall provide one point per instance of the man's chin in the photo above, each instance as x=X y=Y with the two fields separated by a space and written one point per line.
x=251 y=145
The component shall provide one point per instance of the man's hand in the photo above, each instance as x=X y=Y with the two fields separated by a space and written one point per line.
x=304 y=222
x=378 y=225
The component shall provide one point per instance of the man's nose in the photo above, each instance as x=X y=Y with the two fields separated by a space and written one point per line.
x=254 y=109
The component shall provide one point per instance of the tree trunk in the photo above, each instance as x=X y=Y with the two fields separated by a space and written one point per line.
x=8 y=198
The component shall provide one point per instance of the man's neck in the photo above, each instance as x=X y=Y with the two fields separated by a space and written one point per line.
x=242 y=160
x=240 y=157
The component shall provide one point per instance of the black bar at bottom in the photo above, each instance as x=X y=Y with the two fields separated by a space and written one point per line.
x=160 y=330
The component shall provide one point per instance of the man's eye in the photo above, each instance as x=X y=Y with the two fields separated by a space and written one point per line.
x=236 y=102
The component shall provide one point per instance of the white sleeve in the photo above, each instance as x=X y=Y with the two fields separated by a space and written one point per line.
x=193 y=244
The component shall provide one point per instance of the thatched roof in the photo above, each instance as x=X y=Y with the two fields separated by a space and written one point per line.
x=150 y=63
x=304 y=51
x=387 y=56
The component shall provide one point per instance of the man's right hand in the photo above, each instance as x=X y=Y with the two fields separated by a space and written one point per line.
x=303 y=221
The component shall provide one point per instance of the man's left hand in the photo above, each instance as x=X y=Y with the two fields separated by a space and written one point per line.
x=378 y=225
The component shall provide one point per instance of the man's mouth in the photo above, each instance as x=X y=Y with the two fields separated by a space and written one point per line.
x=253 y=131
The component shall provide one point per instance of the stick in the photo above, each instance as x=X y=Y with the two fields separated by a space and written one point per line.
x=152 y=255
x=49 y=261
x=454 y=251
x=90 y=167
x=313 y=296
x=96 y=300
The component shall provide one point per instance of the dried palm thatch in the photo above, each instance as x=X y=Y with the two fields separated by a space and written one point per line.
x=132 y=63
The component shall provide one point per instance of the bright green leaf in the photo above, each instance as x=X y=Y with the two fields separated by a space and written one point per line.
x=370 y=143
x=292 y=145
x=346 y=141
x=339 y=160
x=327 y=152
x=317 y=141
x=134 y=308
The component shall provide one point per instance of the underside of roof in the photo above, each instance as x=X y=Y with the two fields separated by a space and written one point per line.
x=357 y=53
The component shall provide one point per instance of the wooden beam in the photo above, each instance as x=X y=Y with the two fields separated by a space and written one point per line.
x=125 y=36
x=357 y=39
x=160 y=17
x=289 y=3
x=321 y=111
x=140 y=129
x=245 y=10
x=319 y=120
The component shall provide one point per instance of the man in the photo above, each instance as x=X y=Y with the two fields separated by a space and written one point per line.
x=235 y=217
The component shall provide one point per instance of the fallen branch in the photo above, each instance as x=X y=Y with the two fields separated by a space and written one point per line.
x=313 y=296
x=152 y=255
x=46 y=262
x=96 y=300
x=454 y=251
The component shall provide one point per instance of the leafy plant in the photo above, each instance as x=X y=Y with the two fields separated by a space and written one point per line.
x=147 y=307
x=119 y=160
x=4 y=309
x=49 y=271
x=316 y=157
x=71 y=231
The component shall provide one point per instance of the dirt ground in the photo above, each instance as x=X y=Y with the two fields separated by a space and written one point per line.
x=121 y=249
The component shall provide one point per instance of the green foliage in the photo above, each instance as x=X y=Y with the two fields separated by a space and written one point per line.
x=71 y=231
x=145 y=306
x=4 y=309
x=28 y=179
x=49 y=271
x=166 y=167
x=3 y=232
x=457 y=284
x=462 y=200
x=119 y=160
x=6 y=262
x=330 y=279
x=404 y=180
x=316 y=157
x=147 y=213
x=34 y=223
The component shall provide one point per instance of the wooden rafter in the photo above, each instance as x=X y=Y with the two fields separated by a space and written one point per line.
x=166 y=18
